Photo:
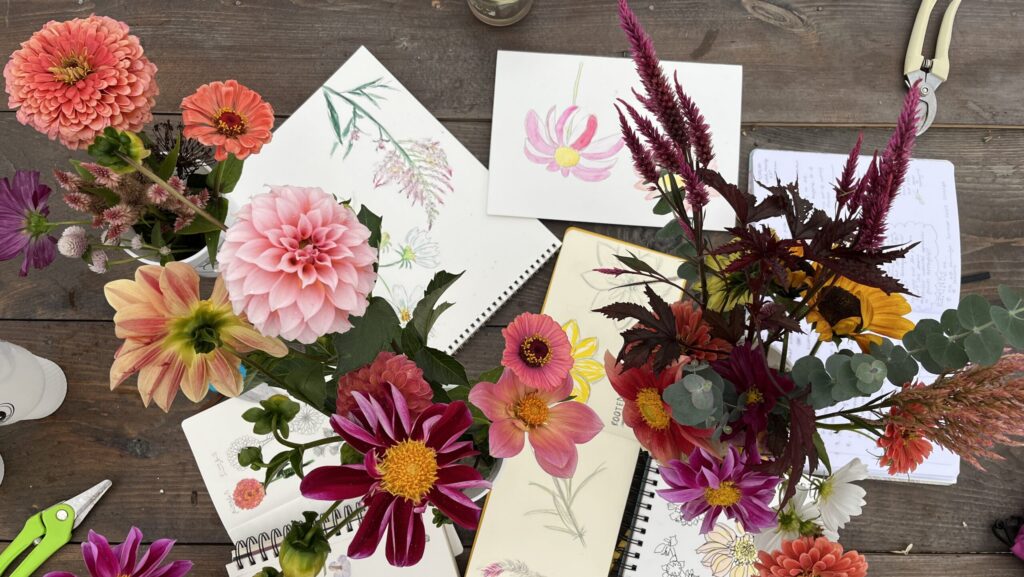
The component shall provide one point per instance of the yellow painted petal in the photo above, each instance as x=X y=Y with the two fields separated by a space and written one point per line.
x=586 y=348
x=580 y=390
x=572 y=330
x=589 y=369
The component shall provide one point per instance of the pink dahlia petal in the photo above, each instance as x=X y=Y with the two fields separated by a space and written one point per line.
x=555 y=451
x=575 y=420
x=371 y=530
x=506 y=438
x=406 y=536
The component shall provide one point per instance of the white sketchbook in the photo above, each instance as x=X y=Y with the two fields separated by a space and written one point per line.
x=363 y=137
x=924 y=211
x=556 y=145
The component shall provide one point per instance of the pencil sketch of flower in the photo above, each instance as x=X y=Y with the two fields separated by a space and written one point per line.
x=610 y=289
x=563 y=497
x=509 y=568
x=417 y=249
x=729 y=552
x=570 y=151
x=248 y=494
x=308 y=421
x=331 y=449
x=340 y=567
x=675 y=513
x=417 y=167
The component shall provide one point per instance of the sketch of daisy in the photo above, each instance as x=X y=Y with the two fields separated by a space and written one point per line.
x=308 y=421
x=417 y=249
x=332 y=449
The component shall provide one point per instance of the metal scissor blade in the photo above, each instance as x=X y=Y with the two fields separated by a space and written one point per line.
x=84 y=503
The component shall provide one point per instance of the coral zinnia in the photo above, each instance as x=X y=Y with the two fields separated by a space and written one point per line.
x=848 y=309
x=298 y=263
x=707 y=486
x=173 y=339
x=903 y=449
x=387 y=369
x=410 y=462
x=648 y=415
x=24 y=206
x=810 y=557
x=102 y=560
x=72 y=79
x=228 y=116
x=537 y=351
x=554 y=427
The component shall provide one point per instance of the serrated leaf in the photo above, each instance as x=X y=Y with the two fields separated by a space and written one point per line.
x=973 y=312
x=372 y=221
x=985 y=347
x=819 y=444
x=427 y=310
x=1011 y=326
x=370 y=334
x=441 y=368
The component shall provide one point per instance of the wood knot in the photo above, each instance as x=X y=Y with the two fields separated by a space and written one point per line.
x=139 y=448
x=777 y=15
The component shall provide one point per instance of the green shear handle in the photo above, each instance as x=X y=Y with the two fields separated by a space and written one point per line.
x=48 y=531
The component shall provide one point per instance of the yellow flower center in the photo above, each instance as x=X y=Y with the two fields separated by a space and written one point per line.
x=532 y=410
x=409 y=470
x=535 y=351
x=726 y=495
x=754 y=397
x=826 y=489
x=200 y=331
x=567 y=157
x=71 y=69
x=744 y=552
x=229 y=122
x=652 y=409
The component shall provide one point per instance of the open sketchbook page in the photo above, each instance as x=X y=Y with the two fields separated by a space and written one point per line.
x=364 y=137
x=437 y=560
x=924 y=211
x=216 y=436
x=576 y=289
x=556 y=146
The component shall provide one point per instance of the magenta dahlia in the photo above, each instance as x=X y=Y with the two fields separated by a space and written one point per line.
x=72 y=79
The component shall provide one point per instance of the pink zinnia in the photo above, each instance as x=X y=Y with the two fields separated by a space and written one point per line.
x=564 y=149
x=811 y=557
x=708 y=486
x=537 y=351
x=228 y=116
x=298 y=263
x=411 y=463
x=72 y=79
x=388 y=369
x=554 y=427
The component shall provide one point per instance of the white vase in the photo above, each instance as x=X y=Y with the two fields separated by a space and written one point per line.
x=199 y=261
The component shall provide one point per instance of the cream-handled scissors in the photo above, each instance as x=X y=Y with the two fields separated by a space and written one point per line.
x=930 y=71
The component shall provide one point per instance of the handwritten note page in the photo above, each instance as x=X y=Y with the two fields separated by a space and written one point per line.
x=925 y=211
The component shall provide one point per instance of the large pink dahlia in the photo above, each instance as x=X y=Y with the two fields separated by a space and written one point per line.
x=72 y=79
x=298 y=263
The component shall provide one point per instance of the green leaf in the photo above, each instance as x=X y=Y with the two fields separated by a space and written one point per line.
x=662 y=206
x=492 y=375
x=1013 y=299
x=252 y=415
x=296 y=462
x=804 y=367
x=688 y=272
x=916 y=343
x=250 y=456
x=950 y=322
x=696 y=400
x=637 y=264
x=985 y=347
x=843 y=377
x=949 y=354
x=350 y=456
x=372 y=221
x=370 y=334
x=870 y=373
x=1011 y=326
x=224 y=176
x=170 y=162
x=441 y=368
x=974 y=312
x=671 y=231
x=819 y=445
x=411 y=341
x=427 y=310
x=901 y=368
x=218 y=208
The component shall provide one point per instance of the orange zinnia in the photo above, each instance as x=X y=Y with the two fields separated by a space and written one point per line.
x=228 y=116
x=175 y=340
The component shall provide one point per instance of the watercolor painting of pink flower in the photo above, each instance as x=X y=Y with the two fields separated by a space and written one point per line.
x=562 y=146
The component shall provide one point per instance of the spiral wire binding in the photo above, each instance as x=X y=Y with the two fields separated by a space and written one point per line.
x=265 y=545
x=502 y=298
x=633 y=529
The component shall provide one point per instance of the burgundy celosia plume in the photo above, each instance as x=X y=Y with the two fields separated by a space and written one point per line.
x=643 y=162
x=847 y=184
x=698 y=130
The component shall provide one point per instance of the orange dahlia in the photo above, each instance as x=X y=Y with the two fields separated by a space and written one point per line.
x=72 y=79
x=228 y=116
x=175 y=340
x=810 y=557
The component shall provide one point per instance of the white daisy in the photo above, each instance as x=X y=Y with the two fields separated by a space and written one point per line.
x=798 y=518
x=839 y=499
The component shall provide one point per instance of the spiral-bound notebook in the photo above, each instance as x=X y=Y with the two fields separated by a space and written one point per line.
x=659 y=541
x=363 y=137
x=263 y=549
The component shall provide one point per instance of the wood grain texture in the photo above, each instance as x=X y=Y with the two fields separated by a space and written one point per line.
x=805 y=61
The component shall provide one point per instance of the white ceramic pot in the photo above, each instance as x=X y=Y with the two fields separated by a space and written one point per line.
x=199 y=261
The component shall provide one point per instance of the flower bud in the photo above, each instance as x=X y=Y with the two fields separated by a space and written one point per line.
x=305 y=548
x=112 y=145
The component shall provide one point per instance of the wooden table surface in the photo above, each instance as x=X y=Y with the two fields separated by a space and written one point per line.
x=815 y=73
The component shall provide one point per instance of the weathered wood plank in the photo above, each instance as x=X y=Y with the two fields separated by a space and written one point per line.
x=805 y=61
x=100 y=434
x=990 y=183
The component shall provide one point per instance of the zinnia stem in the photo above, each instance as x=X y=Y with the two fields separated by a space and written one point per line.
x=172 y=191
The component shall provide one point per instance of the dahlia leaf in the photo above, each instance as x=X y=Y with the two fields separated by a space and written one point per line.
x=370 y=334
x=791 y=438
x=441 y=368
x=819 y=445
x=427 y=311
x=223 y=178
x=372 y=221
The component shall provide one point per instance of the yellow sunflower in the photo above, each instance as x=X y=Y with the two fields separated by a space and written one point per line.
x=863 y=313
x=585 y=369
x=724 y=294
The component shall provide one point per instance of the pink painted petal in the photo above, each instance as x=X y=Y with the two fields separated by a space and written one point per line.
x=506 y=439
x=555 y=451
x=590 y=174
x=560 y=126
x=534 y=136
x=565 y=171
x=371 y=529
x=335 y=483
x=534 y=158
x=576 y=420
x=553 y=166
x=606 y=153
x=588 y=134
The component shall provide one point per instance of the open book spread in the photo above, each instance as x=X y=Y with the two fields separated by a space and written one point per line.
x=556 y=146
x=363 y=137
x=924 y=211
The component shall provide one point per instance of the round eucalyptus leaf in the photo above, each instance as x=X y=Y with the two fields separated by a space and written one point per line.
x=1010 y=325
x=985 y=347
x=974 y=312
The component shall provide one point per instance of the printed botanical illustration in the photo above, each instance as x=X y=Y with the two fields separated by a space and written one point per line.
x=673 y=567
x=729 y=552
x=417 y=168
x=568 y=144
x=608 y=289
x=563 y=496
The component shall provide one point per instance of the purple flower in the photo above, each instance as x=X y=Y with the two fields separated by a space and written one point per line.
x=102 y=560
x=1018 y=544
x=706 y=486
x=23 y=228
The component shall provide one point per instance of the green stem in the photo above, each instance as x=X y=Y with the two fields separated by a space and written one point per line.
x=320 y=522
x=785 y=352
x=68 y=222
x=321 y=442
x=346 y=521
x=143 y=170
x=283 y=441
x=817 y=345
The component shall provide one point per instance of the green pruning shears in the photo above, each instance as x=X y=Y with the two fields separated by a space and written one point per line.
x=48 y=531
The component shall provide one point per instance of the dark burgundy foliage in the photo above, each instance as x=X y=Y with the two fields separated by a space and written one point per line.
x=762 y=254
x=790 y=440
x=652 y=338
